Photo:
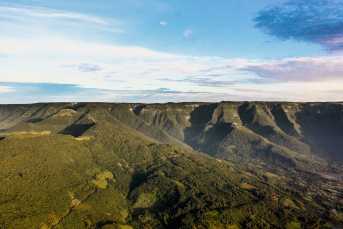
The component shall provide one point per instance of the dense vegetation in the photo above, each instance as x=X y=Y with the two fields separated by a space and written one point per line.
x=108 y=178
x=102 y=165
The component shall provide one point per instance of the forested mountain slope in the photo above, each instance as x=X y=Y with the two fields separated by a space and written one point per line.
x=109 y=178
x=304 y=136
x=174 y=165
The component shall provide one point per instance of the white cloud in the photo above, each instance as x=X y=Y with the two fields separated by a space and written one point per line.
x=12 y=47
x=5 y=89
x=9 y=12
x=187 y=33
x=163 y=23
x=62 y=48
x=38 y=21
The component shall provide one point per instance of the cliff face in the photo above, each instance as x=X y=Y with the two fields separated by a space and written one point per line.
x=276 y=134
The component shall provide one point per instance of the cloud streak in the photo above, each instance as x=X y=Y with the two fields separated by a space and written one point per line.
x=320 y=69
x=313 y=21
x=304 y=69
x=86 y=67
x=9 y=12
x=6 y=89
x=203 y=81
x=89 y=67
x=73 y=48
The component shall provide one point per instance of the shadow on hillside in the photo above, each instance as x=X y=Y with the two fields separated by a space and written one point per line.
x=76 y=130
x=137 y=179
x=33 y=120
x=282 y=120
x=245 y=112
x=104 y=223
x=322 y=128
x=138 y=109
x=76 y=106
x=199 y=117
x=39 y=109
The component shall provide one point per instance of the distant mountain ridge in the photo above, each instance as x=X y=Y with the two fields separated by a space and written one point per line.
x=275 y=134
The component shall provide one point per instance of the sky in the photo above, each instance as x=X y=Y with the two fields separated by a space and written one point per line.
x=158 y=51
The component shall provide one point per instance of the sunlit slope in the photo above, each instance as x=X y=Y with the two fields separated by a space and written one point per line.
x=75 y=118
x=11 y=115
x=109 y=178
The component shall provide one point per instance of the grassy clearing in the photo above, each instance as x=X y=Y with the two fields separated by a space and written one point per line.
x=24 y=132
x=271 y=175
x=212 y=213
x=83 y=138
x=125 y=227
x=247 y=186
x=218 y=225
x=92 y=172
x=293 y=225
x=101 y=181
x=178 y=183
x=145 y=200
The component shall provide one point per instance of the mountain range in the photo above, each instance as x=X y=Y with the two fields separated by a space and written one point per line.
x=296 y=135
x=173 y=165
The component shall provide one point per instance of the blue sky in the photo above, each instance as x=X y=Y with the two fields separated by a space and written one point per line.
x=170 y=51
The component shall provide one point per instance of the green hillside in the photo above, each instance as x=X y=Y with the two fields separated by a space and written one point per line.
x=110 y=178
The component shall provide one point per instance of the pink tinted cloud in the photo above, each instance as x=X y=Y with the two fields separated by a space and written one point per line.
x=319 y=69
x=304 y=69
